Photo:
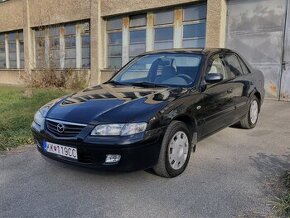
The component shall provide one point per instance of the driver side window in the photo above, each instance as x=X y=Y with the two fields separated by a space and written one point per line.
x=217 y=66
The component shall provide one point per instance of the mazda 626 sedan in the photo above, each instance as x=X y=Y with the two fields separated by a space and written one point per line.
x=152 y=113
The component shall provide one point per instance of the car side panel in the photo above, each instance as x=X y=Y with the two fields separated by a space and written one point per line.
x=217 y=106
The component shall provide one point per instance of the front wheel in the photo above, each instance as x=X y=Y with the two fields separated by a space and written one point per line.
x=175 y=150
x=251 y=119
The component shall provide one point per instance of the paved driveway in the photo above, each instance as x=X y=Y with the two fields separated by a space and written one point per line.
x=230 y=175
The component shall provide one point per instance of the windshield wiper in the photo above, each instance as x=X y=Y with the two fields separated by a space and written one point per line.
x=141 y=84
x=116 y=83
x=147 y=84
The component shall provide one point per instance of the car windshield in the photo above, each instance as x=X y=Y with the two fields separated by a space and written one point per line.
x=163 y=69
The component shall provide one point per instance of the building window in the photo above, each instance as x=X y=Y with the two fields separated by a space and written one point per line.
x=54 y=47
x=85 y=40
x=21 y=49
x=63 y=46
x=70 y=45
x=194 y=26
x=2 y=52
x=137 y=44
x=131 y=35
x=11 y=50
x=114 y=31
x=41 y=60
x=163 y=30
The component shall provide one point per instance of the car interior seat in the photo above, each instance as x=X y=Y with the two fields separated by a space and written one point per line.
x=167 y=72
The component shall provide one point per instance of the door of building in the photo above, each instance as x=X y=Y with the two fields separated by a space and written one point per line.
x=256 y=29
x=285 y=77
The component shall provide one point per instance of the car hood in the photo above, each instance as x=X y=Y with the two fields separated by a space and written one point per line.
x=109 y=103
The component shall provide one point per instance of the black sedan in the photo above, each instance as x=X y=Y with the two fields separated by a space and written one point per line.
x=152 y=113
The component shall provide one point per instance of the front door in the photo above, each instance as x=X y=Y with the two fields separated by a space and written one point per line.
x=218 y=103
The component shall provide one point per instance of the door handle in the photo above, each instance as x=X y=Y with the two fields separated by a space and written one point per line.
x=230 y=91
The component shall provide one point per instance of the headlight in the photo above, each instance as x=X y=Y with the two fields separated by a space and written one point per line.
x=119 y=129
x=39 y=118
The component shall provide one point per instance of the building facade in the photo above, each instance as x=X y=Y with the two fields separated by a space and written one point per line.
x=96 y=37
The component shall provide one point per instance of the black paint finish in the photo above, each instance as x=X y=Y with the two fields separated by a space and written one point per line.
x=205 y=107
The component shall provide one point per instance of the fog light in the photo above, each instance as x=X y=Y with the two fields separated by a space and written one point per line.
x=113 y=158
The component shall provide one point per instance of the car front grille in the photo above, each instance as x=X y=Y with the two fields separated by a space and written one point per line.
x=63 y=129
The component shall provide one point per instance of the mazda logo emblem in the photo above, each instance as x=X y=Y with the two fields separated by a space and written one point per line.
x=60 y=128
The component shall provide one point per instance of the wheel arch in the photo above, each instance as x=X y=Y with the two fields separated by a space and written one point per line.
x=257 y=94
x=190 y=123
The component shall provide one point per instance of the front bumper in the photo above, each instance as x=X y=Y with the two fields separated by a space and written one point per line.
x=135 y=154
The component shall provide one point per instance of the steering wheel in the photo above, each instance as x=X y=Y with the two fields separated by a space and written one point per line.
x=186 y=77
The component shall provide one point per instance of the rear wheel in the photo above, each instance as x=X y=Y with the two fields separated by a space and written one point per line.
x=175 y=150
x=251 y=119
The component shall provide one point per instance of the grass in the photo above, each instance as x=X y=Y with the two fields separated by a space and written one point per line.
x=17 y=109
x=282 y=204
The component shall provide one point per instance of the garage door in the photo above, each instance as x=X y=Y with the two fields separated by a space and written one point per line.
x=255 y=28
x=285 y=79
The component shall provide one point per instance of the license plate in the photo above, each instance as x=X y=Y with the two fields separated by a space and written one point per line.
x=60 y=150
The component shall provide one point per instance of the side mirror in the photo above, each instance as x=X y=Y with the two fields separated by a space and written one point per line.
x=214 y=78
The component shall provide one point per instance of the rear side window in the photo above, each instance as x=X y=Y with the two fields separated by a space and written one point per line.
x=244 y=67
x=233 y=65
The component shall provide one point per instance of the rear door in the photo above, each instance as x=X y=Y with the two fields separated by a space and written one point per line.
x=240 y=86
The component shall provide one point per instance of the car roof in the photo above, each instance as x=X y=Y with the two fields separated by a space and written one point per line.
x=203 y=51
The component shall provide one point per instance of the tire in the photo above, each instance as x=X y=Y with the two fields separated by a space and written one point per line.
x=249 y=122
x=174 y=135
